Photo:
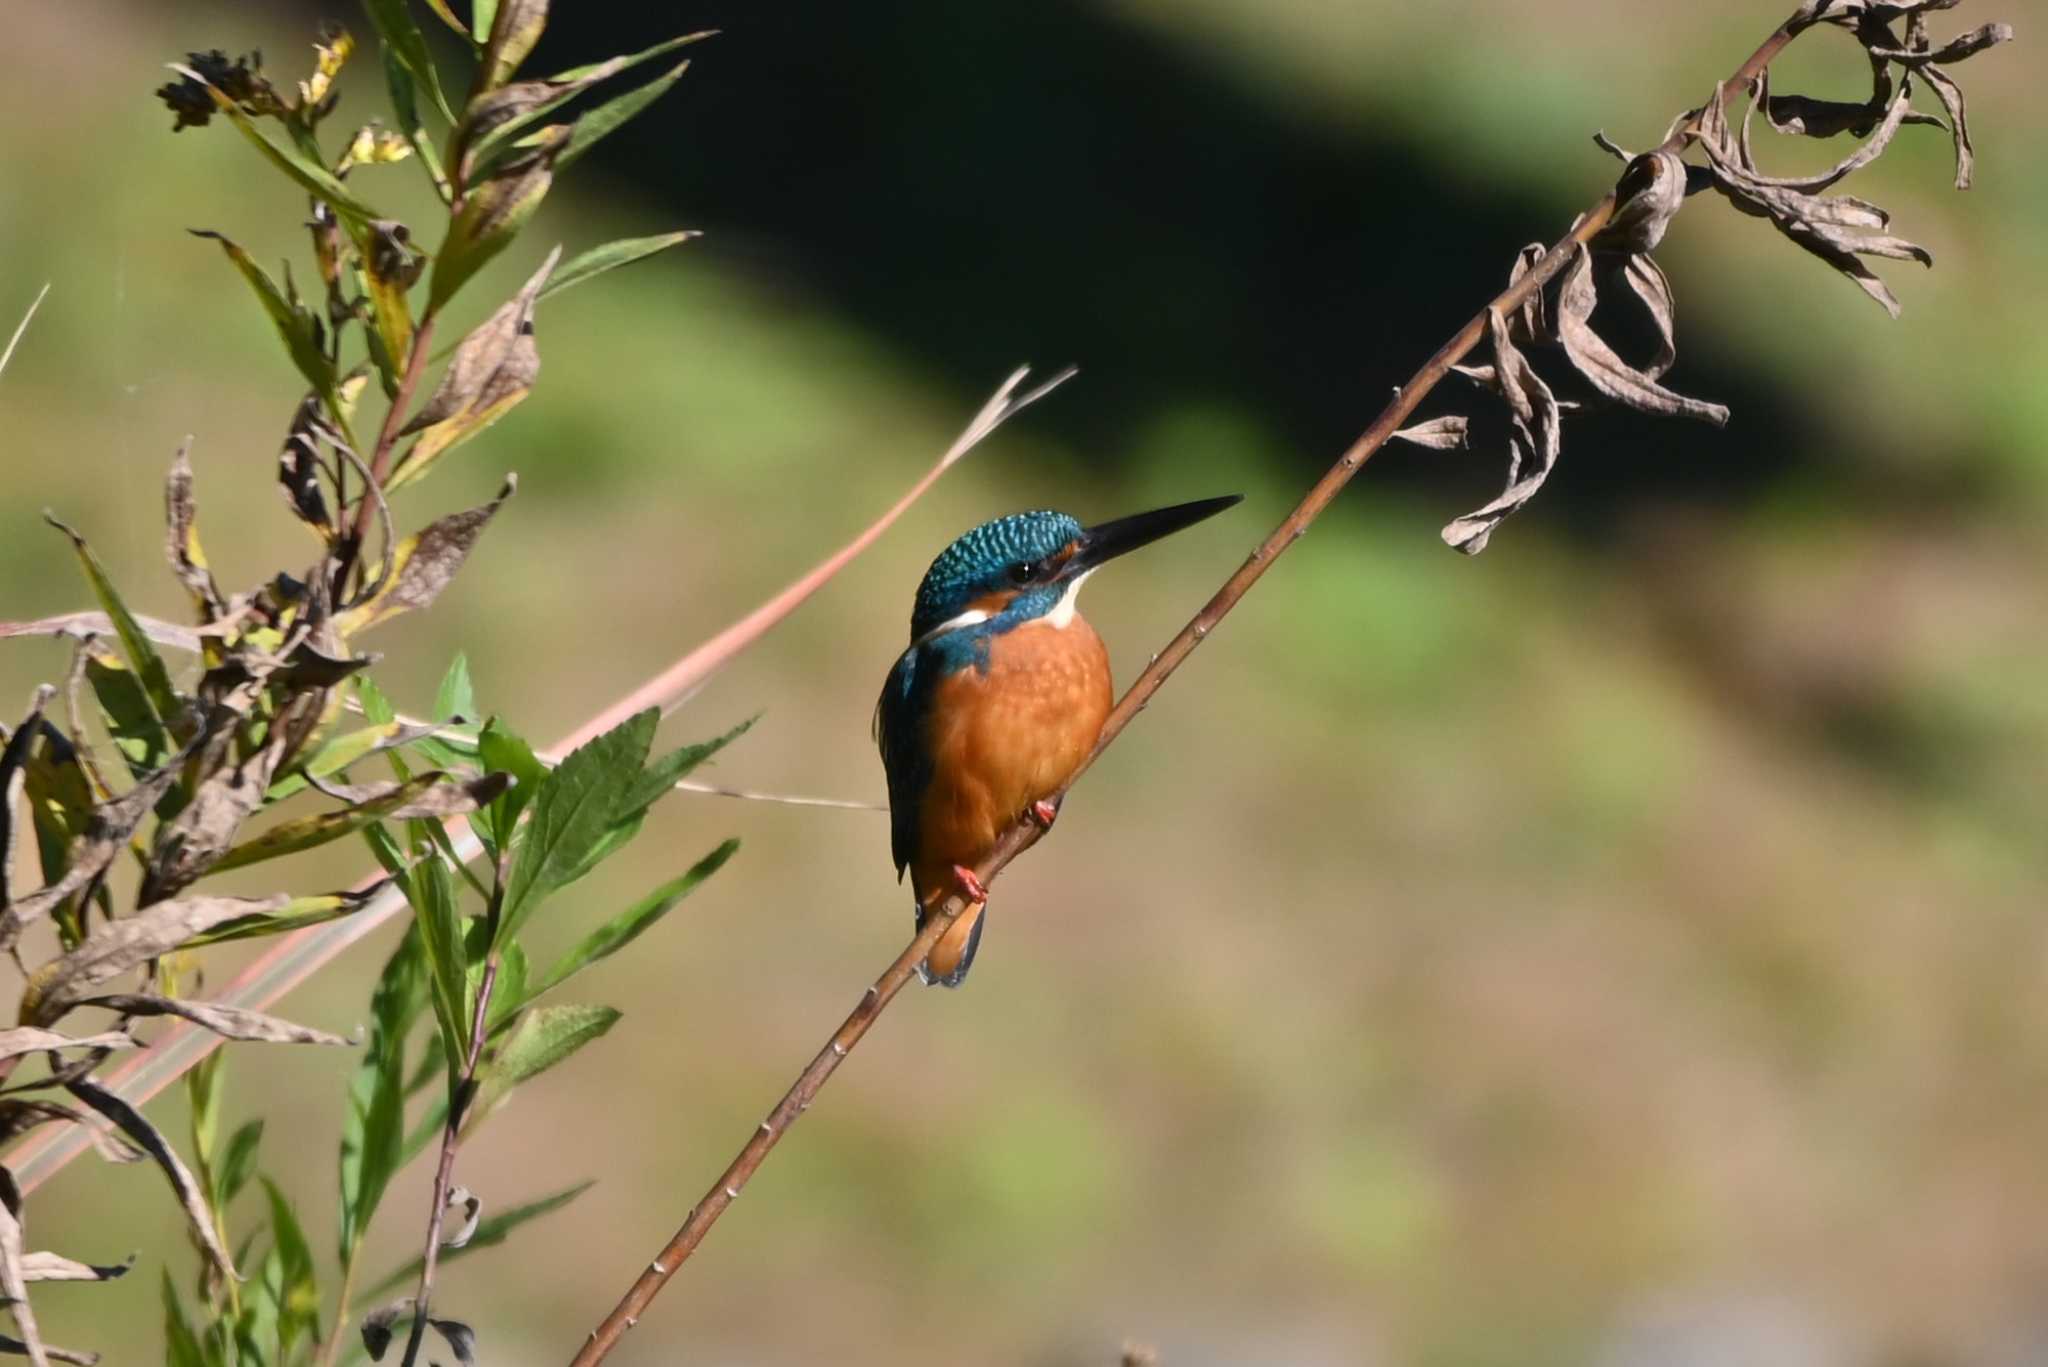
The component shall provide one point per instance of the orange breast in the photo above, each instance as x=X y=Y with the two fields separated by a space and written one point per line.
x=1004 y=738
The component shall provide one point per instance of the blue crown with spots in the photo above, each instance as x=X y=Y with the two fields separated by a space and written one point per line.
x=980 y=562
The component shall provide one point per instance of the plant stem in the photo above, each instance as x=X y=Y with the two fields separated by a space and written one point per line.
x=394 y=418
x=444 y=1174
x=1023 y=833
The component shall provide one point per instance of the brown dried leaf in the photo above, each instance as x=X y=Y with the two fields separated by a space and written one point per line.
x=181 y=538
x=1532 y=450
x=27 y=1039
x=299 y=469
x=426 y=562
x=14 y=1284
x=14 y=757
x=1731 y=157
x=112 y=824
x=514 y=30
x=117 y=947
x=1647 y=197
x=131 y=1123
x=1605 y=370
x=1439 y=434
x=492 y=370
x=55 y=1267
x=229 y=1022
x=18 y=1348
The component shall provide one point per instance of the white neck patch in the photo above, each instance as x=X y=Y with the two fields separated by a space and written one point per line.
x=1062 y=614
x=969 y=618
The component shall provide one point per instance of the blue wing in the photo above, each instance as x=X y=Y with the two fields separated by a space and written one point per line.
x=900 y=716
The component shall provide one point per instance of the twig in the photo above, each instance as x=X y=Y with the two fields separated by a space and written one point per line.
x=1023 y=833
x=444 y=1175
x=297 y=956
x=394 y=417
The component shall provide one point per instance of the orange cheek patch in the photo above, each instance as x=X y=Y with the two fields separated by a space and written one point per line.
x=993 y=603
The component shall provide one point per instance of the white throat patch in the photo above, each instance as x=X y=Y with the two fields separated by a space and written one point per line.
x=1062 y=614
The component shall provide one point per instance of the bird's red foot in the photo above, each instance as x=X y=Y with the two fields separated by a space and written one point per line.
x=970 y=884
x=1043 y=813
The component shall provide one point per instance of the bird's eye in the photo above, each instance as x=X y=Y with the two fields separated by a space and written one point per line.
x=1024 y=572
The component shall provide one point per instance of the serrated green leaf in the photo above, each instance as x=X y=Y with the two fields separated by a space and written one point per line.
x=615 y=934
x=377 y=708
x=457 y=695
x=310 y=175
x=542 y=1038
x=501 y=750
x=611 y=256
x=492 y=1231
x=164 y=704
x=576 y=806
x=661 y=776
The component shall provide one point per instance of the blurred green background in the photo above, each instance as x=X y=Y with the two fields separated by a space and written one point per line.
x=1625 y=947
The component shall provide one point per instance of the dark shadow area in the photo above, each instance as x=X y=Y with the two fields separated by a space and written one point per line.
x=984 y=185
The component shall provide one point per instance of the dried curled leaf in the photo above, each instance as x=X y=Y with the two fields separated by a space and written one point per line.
x=54 y=1267
x=1532 y=449
x=131 y=1123
x=229 y=1022
x=381 y=1324
x=26 y=1039
x=1839 y=229
x=492 y=370
x=425 y=563
x=115 y=948
x=112 y=824
x=1438 y=434
x=1597 y=361
x=181 y=538
x=1649 y=194
x=14 y=1282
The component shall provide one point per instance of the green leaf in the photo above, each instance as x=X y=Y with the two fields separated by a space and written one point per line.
x=510 y=993
x=294 y=322
x=181 y=1348
x=298 y=1304
x=492 y=1231
x=614 y=114
x=402 y=36
x=576 y=806
x=164 y=704
x=499 y=749
x=456 y=697
x=238 y=1161
x=611 y=256
x=543 y=1038
x=447 y=16
x=494 y=123
x=376 y=707
x=296 y=914
x=373 y=1126
x=307 y=832
x=482 y=14
x=492 y=214
x=615 y=934
x=388 y=266
x=515 y=26
x=130 y=716
x=432 y=893
x=351 y=747
x=311 y=176
x=405 y=104
x=661 y=777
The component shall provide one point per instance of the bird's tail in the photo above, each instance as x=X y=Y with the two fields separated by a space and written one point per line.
x=953 y=955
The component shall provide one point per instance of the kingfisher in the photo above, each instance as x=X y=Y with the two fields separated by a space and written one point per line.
x=998 y=700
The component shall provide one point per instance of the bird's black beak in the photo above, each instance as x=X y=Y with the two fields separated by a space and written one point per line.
x=1111 y=539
